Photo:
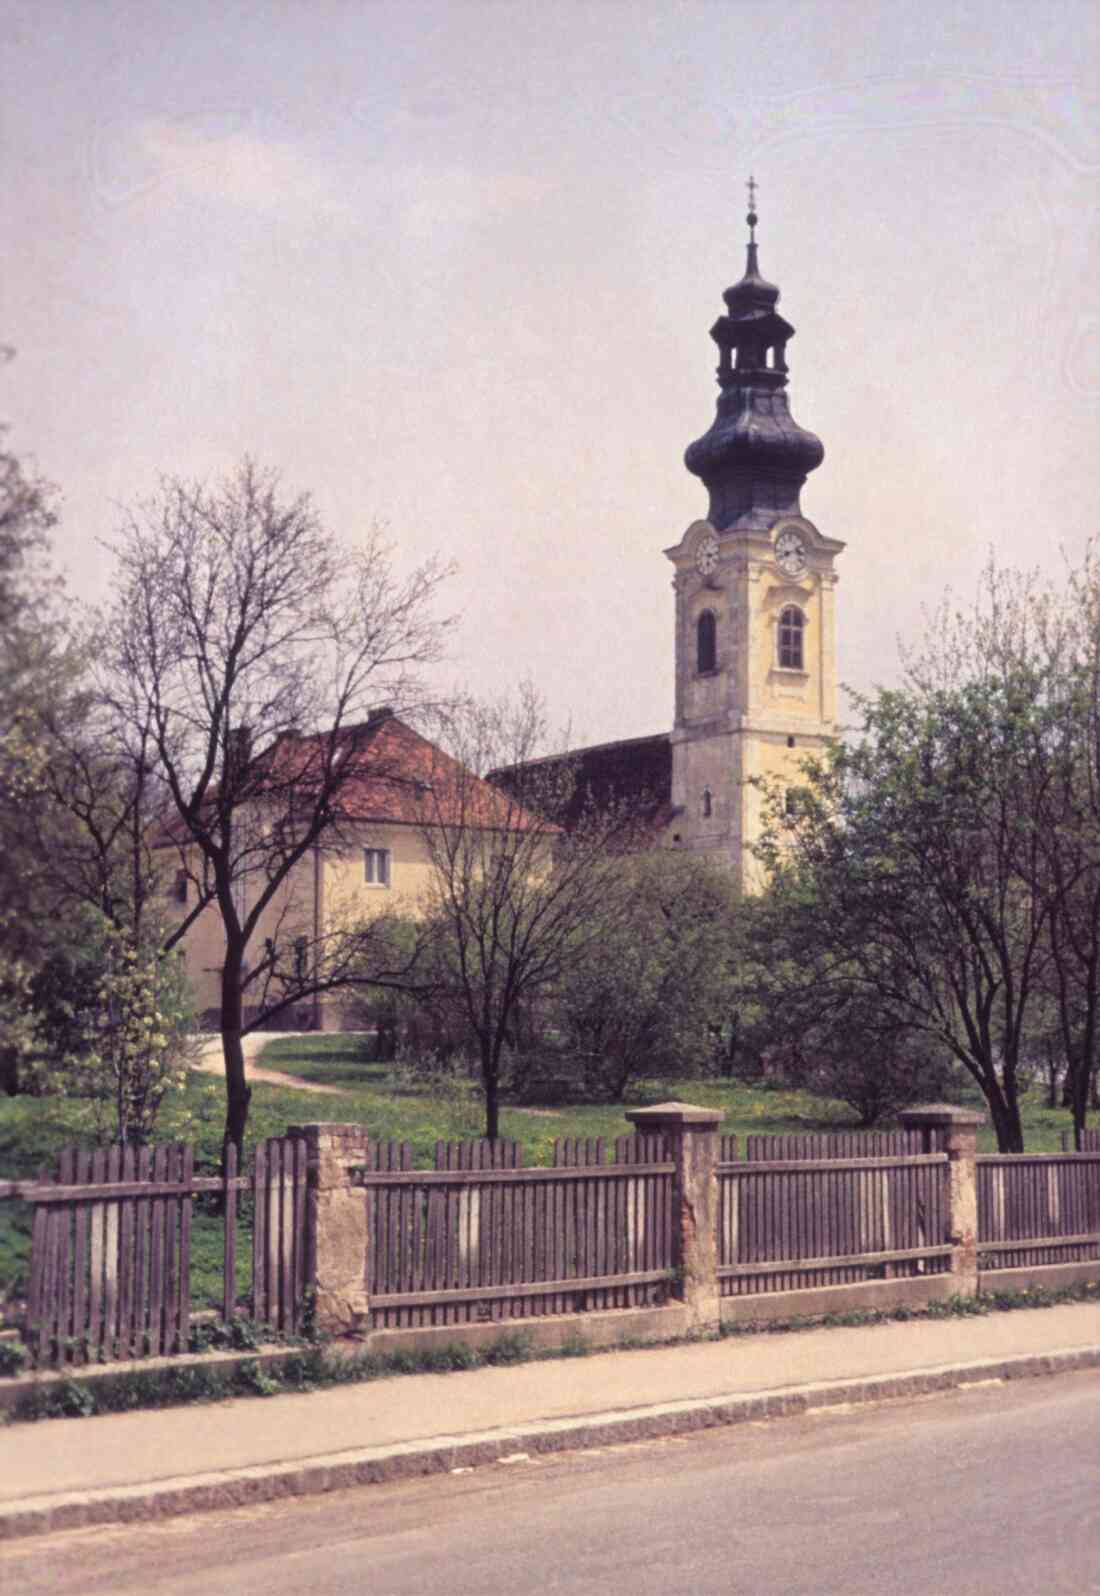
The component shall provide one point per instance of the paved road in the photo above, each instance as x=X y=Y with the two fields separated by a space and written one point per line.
x=990 y=1490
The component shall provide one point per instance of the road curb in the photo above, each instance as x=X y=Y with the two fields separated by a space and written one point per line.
x=45 y=1514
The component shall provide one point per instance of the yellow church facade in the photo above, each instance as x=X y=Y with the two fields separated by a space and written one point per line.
x=755 y=678
x=754 y=589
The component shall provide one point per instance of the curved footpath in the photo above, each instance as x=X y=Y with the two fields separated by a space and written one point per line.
x=122 y=1467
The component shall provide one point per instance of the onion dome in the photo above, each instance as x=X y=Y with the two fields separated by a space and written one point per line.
x=755 y=457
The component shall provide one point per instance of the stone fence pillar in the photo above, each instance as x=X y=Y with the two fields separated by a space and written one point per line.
x=692 y=1134
x=961 y=1146
x=336 y=1225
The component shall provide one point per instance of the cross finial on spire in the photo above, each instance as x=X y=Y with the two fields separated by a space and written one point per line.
x=751 y=218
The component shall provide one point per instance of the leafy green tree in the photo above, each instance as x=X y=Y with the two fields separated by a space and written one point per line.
x=36 y=669
x=920 y=860
x=1050 y=639
x=655 y=997
x=115 y=1025
x=805 y=1017
x=953 y=851
x=1033 y=646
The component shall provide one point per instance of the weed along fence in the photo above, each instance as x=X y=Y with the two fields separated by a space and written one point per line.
x=111 y=1248
x=664 y=1233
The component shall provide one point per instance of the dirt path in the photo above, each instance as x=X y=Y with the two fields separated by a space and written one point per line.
x=254 y=1045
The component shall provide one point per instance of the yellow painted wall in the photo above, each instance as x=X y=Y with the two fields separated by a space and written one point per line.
x=345 y=897
x=733 y=726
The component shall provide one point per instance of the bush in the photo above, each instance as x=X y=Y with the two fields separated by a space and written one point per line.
x=874 y=1065
x=654 y=1001
x=13 y=1357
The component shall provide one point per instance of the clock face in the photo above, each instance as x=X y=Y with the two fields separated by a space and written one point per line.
x=790 y=553
x=706 y=556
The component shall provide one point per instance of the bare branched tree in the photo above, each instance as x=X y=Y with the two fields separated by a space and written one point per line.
x=244 y=656
x=524 y=886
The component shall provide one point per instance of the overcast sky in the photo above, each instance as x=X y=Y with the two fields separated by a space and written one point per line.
x=451 y=267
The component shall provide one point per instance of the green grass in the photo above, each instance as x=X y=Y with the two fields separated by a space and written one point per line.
x=391 y=1105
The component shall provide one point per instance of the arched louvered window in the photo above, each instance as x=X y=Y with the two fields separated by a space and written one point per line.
x=706 y=643
x=792 y=624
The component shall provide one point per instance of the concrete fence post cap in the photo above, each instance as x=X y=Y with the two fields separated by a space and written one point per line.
x=941 y=1114
x=669 y=1114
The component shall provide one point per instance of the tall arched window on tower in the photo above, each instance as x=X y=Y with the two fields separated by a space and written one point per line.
x=792 y=624
x=706 y=643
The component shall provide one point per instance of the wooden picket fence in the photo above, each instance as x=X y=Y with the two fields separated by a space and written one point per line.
x=481 y=1238
x=843 y=1144
x=111 y=1234
x=280 y=1243
x=793 y=1222
x=478 y=1237
x=1038 y=1208
x=1090 y=1141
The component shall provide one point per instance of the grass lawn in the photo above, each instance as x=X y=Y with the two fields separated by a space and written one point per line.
x=33 y=1130
x=394 y=1107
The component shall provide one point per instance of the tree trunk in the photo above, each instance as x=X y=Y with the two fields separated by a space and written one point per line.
x=238 y=1094
x=1080 y=1106
x=1006 y=1123
x=9 y=1072
x=490 y=1079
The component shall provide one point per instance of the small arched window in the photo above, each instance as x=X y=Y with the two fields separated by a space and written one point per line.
x=706 y=643
x=708 y=803
x=792 y=624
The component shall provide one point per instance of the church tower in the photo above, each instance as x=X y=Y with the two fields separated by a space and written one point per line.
x=754 y=587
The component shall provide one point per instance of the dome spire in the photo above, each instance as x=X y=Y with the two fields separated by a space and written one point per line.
x=755 y=457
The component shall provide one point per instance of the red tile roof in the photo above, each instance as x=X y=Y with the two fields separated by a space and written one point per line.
x=385 y=772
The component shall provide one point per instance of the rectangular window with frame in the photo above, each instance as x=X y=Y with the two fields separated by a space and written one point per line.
x=376 y=867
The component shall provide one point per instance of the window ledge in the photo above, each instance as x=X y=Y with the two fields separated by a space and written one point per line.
x=790 y=673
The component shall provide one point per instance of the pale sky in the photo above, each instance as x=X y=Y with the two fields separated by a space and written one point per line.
x=451 y=267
